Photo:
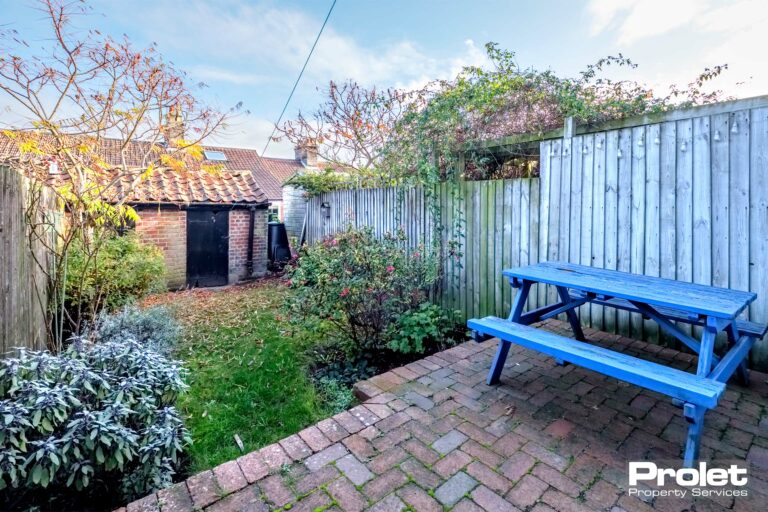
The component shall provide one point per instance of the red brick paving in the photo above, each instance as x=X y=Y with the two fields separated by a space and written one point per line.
x=547 y=438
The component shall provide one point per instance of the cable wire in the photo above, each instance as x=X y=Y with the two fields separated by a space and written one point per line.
x=298 y=79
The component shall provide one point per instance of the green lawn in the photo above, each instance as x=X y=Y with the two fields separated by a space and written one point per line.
x=246 y=375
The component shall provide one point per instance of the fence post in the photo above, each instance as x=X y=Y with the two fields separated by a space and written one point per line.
x=568 y=127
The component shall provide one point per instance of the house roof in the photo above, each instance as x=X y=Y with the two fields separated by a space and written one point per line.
x=274 y=172
x=235 y=182
x=189 y=186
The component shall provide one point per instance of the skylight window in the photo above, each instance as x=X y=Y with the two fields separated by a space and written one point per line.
x=215 y=156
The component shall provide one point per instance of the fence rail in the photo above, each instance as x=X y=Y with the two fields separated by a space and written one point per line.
x=684 y=198
x=23 y=286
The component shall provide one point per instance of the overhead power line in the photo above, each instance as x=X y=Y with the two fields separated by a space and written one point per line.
x=298 y=79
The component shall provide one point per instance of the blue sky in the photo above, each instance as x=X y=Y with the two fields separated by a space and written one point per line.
x=252 y=50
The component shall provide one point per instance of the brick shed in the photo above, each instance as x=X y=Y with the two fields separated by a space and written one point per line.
x=212 y=229
x=211 y=226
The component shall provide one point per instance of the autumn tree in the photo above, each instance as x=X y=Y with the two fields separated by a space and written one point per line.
x=351 y=126
x=98 y=116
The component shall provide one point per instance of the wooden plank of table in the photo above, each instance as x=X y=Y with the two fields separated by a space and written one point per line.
x=689 y=297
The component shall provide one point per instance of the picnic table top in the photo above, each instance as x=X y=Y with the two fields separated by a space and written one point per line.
x=654 y=291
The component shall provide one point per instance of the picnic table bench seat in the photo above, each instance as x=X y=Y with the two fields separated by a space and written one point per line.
x=656 y=377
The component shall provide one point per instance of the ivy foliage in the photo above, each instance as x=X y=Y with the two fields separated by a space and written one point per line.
x=94 y=418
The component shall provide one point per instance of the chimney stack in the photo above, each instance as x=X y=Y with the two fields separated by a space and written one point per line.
x=306 y=153
x=174 y=128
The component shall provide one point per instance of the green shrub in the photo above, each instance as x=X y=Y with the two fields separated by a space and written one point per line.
x=96 y=418
x=154 y=327
x=414 y=331
x=336 y=396
x=122 y=270
x=354 y=286
x=345 y=371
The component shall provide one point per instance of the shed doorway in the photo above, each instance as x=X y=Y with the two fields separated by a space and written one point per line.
x=207 y=247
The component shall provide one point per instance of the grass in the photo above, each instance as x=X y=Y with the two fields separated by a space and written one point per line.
x=247 y=376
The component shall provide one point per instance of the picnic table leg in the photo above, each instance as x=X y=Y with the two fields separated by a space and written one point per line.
x=501 y=353
x=695 y=416
x=706 y=354
x=573 y=319
x=742 y=371
x=498 y=363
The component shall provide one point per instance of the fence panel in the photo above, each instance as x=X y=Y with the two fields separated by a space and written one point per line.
x=684 y=199
x=682 y=195
x=499 y=229
x=23 y=286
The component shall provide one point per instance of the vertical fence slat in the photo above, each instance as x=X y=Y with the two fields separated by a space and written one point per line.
x=545 y=171
x=624 y=238
x=611 y=215
x=637 y=220
x=684 y=209
x=598 y=218
x=499 y=247
x=587 y=189
x=758 y=221
x=652 y=214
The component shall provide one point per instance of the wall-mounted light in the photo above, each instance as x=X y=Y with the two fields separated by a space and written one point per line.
x=599 y=144
x=641 y=142
x=619 y=153
x=657 y=140
x=326 y=210
x=735 y=127
x=683 y=146
x=584 y=149
x=717 y=135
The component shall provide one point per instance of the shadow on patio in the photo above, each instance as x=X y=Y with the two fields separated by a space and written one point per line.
x=432 y=436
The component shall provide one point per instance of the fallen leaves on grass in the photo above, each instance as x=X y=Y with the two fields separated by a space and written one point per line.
x=247 y=378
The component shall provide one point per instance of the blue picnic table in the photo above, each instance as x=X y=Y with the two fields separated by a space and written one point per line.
x=664 y=301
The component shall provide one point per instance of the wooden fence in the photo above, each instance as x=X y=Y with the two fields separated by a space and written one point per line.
x=682 y=195
x=494 y=221
x=23 y=286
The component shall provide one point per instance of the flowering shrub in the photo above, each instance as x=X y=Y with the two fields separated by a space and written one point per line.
x=355 y=287
x=96 y=417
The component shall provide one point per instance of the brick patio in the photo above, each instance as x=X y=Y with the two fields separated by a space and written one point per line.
x=432 y=436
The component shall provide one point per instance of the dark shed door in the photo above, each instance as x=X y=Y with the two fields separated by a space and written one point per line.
x=207 y=247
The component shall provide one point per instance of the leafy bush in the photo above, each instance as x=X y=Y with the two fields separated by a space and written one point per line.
x=346 y=372
x=318 y=182
x=154 y=327
x=414 y=331
x=120 y=271
x=97 y=417
x=354 y=286
x=337 y=396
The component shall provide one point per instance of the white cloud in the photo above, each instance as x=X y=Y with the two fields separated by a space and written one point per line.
x=639 y=19
x=247 y=39
x=472 y=56
x=705 y=34
x=217 y=74
x=246 y=131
